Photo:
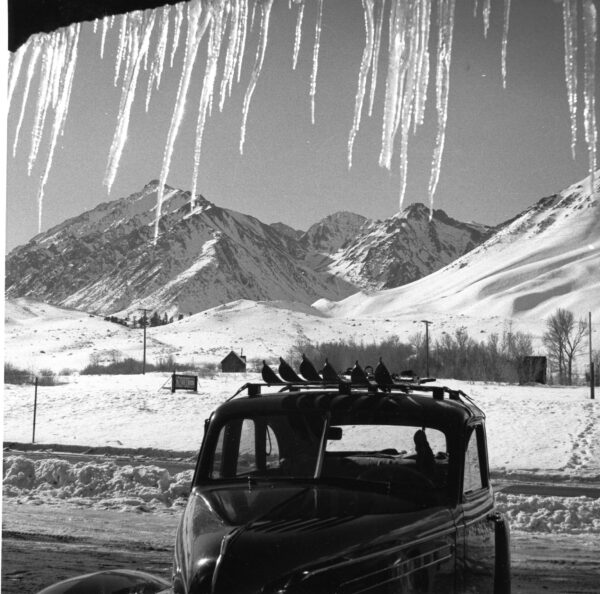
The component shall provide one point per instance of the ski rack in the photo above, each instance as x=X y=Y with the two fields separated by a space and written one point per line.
x=379 y=381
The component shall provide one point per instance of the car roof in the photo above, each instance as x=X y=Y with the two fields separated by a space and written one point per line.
x=360 y=405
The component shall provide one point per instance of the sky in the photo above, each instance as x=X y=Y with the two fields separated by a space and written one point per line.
x=505 y=148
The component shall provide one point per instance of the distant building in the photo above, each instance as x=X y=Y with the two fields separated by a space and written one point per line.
x=233 y=363
x=532 y=370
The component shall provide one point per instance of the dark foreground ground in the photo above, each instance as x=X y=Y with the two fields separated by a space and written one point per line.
x=43 y=544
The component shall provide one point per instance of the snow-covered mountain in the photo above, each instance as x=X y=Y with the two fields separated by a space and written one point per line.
x=546 y=257
x=404 y=248
x=105 y=260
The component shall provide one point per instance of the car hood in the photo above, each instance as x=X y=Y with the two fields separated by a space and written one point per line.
x=240 y=538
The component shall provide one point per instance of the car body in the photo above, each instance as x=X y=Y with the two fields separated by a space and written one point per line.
x=317 y=489
x=339 y=485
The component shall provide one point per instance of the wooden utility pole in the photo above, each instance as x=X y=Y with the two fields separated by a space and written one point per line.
x=592 y=371
x=145 y=322
x=426 y=322
x=34 y=410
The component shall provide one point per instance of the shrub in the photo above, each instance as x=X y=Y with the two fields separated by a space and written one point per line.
x=127 y=366
x=15 y=375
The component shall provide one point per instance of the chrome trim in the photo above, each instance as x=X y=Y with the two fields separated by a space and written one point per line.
x=404 y=567
x=389 y=551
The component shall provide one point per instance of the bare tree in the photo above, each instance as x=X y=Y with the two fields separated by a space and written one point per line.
x=563 y=340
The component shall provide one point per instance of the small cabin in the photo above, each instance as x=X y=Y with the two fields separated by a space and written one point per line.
x=532 y=370
x=233 y=363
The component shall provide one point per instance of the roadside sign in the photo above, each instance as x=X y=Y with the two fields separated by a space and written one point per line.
x=184 y=382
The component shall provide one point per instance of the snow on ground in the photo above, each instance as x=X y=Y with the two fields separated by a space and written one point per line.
x=540 y=432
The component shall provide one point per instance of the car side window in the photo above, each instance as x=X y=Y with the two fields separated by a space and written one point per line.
x=243 y=447
x=247 y=453
x=473 y=480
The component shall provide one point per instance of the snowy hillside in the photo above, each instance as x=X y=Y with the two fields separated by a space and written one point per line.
x=41 y=336
x=545 y=258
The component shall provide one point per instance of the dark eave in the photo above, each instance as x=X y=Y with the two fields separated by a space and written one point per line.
x=27 y=17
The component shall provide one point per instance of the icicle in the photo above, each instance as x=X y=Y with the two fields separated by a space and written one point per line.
x=231 y=55
x=195 y=32
x=242 y=43
x=33 y=60
x=590 y=25
x=139 y=34
x=445 y=28
x=363 y=74
x=475 y=8
x=123 y=40
x=375 y=60
x=62 y=108
x=298 y=34
x=15 y=70
x=313 y=76
x=392 y=83
x=44 y=98
x=410 y=87
x=422 y=78
x=159 y=55
x=106 y=24
x=177 y=29
x=265 y=8
x=96 y=26
x=487 y=8
x=505 y=39
x=570 y=41
x=210 y=74
x=253 y=14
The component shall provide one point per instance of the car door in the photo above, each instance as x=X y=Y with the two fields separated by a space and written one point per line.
x=476 y=527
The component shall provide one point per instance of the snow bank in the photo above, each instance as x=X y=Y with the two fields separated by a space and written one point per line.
x=107 y=485
x=104 y=485
x=534 y=513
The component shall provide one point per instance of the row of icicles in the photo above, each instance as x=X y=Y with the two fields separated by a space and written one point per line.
x=144 y=39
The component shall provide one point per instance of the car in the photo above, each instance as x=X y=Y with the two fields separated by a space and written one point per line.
x=321 y=483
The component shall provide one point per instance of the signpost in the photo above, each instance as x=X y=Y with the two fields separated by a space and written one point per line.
x=184 y=382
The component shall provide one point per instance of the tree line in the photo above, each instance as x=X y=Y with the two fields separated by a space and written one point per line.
x=457 y=355
x=154 y=320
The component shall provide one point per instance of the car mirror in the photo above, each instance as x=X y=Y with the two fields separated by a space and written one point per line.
x=334 y=433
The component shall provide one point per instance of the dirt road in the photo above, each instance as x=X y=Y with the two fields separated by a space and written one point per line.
x=44 y=544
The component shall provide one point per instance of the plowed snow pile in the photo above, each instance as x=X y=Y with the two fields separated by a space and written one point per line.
x=105 y=485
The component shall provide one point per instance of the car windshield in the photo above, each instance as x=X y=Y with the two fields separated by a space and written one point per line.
x=299 y=445
x=280 y=445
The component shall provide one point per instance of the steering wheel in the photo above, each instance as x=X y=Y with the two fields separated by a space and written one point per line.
x=404 y=475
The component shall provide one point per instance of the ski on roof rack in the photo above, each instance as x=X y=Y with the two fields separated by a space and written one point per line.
x=374 y=380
